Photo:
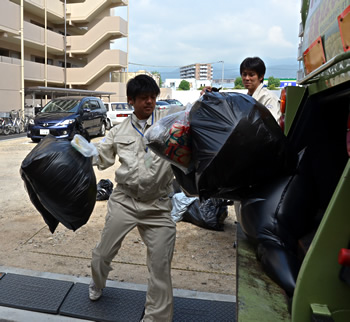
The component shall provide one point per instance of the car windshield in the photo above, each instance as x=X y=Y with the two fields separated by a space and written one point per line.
x=63 y=106
x=162 y=103
x=120 y=106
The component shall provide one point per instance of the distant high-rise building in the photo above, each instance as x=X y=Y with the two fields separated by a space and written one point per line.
x=197 y=71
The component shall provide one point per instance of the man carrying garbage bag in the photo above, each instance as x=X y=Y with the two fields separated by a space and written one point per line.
x=140 y=199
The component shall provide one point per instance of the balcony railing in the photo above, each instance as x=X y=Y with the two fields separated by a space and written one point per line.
x=108 y=60
x=84 y=12
x=106 y=29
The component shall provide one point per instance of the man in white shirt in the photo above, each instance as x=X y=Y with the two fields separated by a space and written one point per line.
x=252 y=71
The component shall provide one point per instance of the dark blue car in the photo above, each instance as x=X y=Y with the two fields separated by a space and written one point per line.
x=63 y=117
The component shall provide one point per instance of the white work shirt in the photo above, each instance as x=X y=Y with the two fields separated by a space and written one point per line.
x=270 y=100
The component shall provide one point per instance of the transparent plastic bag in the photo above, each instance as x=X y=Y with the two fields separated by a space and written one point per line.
x=170 y=139
x=83 y=146
x=180 y=204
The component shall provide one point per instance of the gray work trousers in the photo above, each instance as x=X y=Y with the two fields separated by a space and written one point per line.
x=158 y=232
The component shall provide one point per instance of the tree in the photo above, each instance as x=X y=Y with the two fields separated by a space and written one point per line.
x=273 y=83
x=184 y=85
x=160 y=78
x=239 y=83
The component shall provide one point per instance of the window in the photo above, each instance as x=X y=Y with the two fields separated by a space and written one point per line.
x=61 y=64
x=10 y=53
x=39 y=24
x=94 y=105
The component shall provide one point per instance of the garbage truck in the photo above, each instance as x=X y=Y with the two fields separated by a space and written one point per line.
x=311 y=208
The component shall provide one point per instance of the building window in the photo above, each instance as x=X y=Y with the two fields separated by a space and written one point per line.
x=10 y=53
x=61 y=64
x=39 y=24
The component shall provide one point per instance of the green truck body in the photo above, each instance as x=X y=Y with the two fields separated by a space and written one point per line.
x=316 y=116
x=321 y=293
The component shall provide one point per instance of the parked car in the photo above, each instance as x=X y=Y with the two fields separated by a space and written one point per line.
x=161 y=105
x=117 y=112
x=172 y=101
x=63 y=117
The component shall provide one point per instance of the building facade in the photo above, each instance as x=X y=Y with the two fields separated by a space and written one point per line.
x=197 y=71
x=59 y=43
x=195 y=84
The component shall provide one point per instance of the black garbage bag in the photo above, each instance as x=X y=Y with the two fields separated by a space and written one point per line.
x=282 y=211
x=104 y=189
x=236 y=143
x=61 y=183
x=209 y=214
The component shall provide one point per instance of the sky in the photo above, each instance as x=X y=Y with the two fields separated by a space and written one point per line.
x=164 y=35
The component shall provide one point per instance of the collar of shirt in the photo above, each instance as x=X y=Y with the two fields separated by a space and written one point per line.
x=139 y=123
x=257 y=90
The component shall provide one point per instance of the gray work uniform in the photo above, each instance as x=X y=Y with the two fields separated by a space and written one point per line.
x=140 y=199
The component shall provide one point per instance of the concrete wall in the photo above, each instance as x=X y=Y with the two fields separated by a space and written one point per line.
x=10 y=97
x=192 y=95
x=186 y=97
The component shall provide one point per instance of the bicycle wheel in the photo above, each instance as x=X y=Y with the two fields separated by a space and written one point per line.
x=21 y=127
x=7 y=129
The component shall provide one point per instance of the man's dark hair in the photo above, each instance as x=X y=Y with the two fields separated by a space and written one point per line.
x=141 y=84
x=253 y=63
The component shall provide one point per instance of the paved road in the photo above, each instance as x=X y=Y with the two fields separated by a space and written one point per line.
x=12 y=136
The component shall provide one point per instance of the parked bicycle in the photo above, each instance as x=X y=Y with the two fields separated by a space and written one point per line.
x=25 y=119
x=16 y=124
x=4 y=126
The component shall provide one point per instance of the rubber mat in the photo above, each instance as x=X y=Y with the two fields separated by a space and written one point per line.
x=115 y=304
x=33 y=293
x=195 y=310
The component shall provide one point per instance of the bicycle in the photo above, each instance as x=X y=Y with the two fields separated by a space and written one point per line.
x=25 y=118
x=4 y=126
x=16 y=124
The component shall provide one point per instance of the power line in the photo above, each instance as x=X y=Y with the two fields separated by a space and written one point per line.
x=152 y=65
x=169 y=66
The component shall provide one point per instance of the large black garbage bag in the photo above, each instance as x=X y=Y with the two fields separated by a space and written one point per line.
x=236 y=143
x=276 y=216
x=209 y=214
x=187 y=181
x=104 y=189
x=61 y=183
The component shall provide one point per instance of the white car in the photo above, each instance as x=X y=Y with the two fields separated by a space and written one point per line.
x=117 y=112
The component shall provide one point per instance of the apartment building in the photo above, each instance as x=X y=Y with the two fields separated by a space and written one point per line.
x=62 y=44
x=197 y=71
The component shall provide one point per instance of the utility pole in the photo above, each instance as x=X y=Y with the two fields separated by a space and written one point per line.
x=65 y=43
x=22 y=57
x=222 y=73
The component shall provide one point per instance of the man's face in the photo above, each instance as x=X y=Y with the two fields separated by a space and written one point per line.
x=144 y=105
x=251 y=80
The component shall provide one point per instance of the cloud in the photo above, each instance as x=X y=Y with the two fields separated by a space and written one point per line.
x=181 y=32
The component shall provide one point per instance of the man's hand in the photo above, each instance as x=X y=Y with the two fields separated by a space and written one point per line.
x=206 y=89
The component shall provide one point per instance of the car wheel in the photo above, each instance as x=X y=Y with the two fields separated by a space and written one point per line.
x=109 y=125
x=35 y=140
x=103 y=129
